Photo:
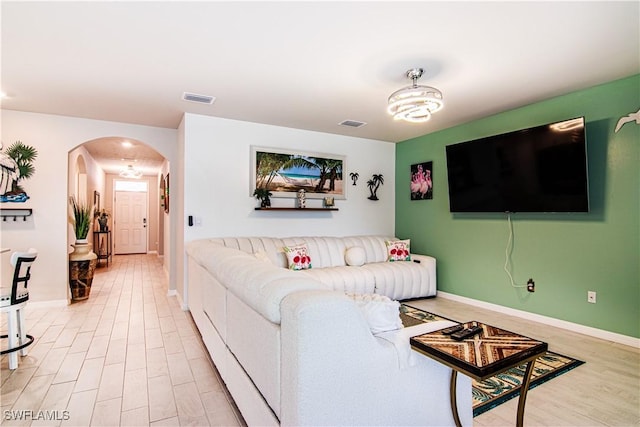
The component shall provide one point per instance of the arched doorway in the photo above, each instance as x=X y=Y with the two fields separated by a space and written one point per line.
x=111 y=164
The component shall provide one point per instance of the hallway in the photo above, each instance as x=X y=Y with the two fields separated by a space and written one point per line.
x=126 y=356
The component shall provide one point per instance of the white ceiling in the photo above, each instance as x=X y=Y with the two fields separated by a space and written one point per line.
x=307 y=65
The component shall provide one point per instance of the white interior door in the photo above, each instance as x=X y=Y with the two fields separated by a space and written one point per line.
x=130 y=222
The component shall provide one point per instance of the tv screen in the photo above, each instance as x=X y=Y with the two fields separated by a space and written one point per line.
x=539 y=169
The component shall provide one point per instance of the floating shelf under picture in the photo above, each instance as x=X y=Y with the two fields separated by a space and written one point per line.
x=297 y=209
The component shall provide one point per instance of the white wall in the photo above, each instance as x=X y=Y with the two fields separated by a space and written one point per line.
x=217 y=182
x=95 y=182
x=215 y=166
x=53 y=137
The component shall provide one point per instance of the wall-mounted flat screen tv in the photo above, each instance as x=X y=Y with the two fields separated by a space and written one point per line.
x=539 y=169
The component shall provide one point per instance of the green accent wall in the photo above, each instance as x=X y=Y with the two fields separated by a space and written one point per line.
x=566 y=254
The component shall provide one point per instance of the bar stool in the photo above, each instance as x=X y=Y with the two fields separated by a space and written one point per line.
x=12 y=301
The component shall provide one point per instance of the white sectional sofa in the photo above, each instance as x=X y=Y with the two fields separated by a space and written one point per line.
x=294 y=349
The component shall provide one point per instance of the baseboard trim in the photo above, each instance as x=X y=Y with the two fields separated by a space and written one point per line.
x=183 y=306
x=172 y=293
x=563 y=324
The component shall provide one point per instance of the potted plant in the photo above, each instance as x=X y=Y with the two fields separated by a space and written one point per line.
x=263 y=195
x=82 y=261
x=103 y=217
x=81 y=219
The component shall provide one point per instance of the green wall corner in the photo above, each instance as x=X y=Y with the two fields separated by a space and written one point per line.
x=566 y=254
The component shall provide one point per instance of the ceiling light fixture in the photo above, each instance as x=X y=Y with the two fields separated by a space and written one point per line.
x=130 y=172
x=415 y=103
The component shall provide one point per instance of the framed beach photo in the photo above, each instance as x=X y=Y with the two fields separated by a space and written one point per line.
x=422 y=181
x=285 y=172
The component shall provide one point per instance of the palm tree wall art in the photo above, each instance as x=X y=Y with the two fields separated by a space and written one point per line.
x=16 y=164
x=374 y=183
x=354 y=177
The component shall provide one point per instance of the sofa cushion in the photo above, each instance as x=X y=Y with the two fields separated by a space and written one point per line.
x=381 y=313
x=298 y=257
x=398 y=250
x=326 y=251
x=262 y=256
x=272 y=246
x=259 y=284
x=346 y=279
x=400 y=280
x=355 y=256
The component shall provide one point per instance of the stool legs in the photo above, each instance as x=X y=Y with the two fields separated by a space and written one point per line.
x=22 y=332
x=13 y=338
x=16 y=336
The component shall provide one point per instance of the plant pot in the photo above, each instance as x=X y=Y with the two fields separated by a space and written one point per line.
x=82 y=265
x=103 y=224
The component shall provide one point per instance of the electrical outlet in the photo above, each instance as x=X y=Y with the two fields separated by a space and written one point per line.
x=591 y=297
x=531 y=285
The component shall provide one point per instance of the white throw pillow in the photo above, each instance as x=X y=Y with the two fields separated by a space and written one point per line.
x=381 y=312
x=278 y=258
x=355 y=256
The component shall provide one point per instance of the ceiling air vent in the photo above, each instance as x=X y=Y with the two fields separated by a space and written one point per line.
x=352 y=123
x=202 y=99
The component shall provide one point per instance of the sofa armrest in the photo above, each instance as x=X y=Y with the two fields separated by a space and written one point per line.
x=328 y=353
x=335 y=372
x=429 y=263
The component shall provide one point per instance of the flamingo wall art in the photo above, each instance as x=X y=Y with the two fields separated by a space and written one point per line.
x=421 y=181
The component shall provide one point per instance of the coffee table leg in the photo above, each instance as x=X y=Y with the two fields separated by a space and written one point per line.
x=523 y=392
x=454 y=401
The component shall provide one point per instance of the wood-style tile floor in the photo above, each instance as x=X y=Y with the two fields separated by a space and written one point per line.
x=605 y=391
x=127 y=356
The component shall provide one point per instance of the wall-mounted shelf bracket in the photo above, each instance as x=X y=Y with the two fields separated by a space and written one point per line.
x=15 y=213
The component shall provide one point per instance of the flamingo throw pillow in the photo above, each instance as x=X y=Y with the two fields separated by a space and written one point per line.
x=398 y=250
x=298 y=257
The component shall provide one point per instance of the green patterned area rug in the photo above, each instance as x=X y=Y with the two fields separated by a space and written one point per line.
x=492 y=392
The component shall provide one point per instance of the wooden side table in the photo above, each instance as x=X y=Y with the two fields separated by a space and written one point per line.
x=102 y=245
x=482 y=356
